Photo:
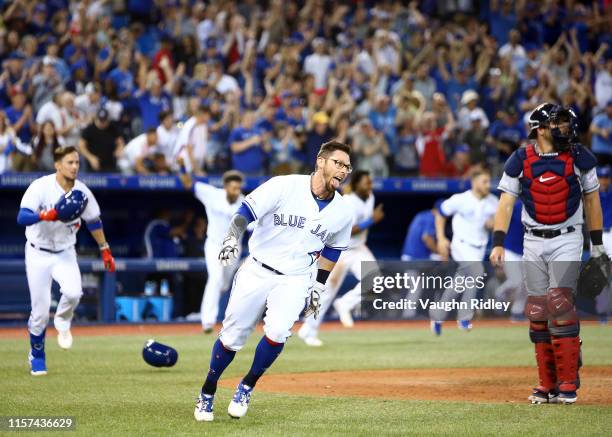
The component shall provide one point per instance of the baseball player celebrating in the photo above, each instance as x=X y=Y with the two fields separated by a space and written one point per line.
x=555 y=178
x=221 y=204
x=472 y=213
x=51 y=228
x=299 y=220
x=361 y=201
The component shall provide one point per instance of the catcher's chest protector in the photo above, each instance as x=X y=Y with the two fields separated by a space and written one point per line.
x=550 y=189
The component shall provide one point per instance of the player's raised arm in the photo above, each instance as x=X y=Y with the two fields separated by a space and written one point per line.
x=184 y=176
x=500 y=227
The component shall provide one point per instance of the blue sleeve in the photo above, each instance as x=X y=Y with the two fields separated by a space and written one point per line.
x=430 y=227
x=331 y=254
x=438 y=206
x=365 y=224
x=246 y=212
x=27 y=217
x=95 y=225
x=233 y=137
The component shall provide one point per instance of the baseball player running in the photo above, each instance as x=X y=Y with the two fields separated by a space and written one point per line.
x=50 y=253
x=472 y=213
x=301 y=226
x=221 y=204
x=361 y=201
x=555 y=178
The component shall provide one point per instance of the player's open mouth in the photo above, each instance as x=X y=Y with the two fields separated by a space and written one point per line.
x=336 y=181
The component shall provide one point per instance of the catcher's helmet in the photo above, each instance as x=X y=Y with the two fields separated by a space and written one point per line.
x=71 y=205
x=159 y=355
x=558 y=116
x=539 y=118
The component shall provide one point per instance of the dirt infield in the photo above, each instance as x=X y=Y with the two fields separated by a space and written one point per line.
x=478 y=385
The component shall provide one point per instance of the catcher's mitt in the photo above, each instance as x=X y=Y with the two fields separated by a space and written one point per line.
x=594 y=276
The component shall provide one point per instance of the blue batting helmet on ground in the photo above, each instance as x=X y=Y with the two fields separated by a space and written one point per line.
x=71 y=205
x=159 y=355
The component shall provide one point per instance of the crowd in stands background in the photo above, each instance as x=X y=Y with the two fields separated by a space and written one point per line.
x=417 y=88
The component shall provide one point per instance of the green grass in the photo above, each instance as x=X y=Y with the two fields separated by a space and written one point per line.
x=104 y=383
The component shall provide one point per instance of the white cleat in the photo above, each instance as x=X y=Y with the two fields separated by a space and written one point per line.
x=64 y=339
x=204 y=408
x=313 y=341
x=239 y=404
x=344 y=314
x=310 y=340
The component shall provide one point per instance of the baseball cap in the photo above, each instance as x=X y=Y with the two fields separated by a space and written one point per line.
x=468 y=96
x=102 y=114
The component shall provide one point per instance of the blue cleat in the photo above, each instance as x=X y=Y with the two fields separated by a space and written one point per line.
x=240 y=403
x=37 y=362
x=204 y=408
x=436 y=327
x=567 y=397
x=464 y=325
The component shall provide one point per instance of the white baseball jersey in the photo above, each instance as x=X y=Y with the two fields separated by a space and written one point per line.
x=166 y=140
x=362 y=210
x=136 y=148
x=218 y=210
x=469 y=217
x=197 y=136
x=290 y=230
x=43 y=194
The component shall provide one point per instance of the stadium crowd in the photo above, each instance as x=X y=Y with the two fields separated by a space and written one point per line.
x=423 y=88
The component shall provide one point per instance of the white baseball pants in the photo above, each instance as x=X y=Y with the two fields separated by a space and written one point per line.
x=255 y=290
x=41 y=269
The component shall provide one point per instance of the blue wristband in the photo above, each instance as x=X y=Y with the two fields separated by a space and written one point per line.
x=366 y=224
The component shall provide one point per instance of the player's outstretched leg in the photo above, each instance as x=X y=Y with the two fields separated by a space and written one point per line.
x=266 y=353
x=345 y=305
x=36 y=356
x=220 y=358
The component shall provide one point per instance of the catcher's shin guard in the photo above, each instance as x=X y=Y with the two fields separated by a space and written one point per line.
x=567 y=356
x=564 y=329
x=545 y=358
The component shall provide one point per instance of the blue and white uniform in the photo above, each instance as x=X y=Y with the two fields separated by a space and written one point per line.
x=468 y=245
x=291 y=230
x=219 y=212
x=50 y=254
